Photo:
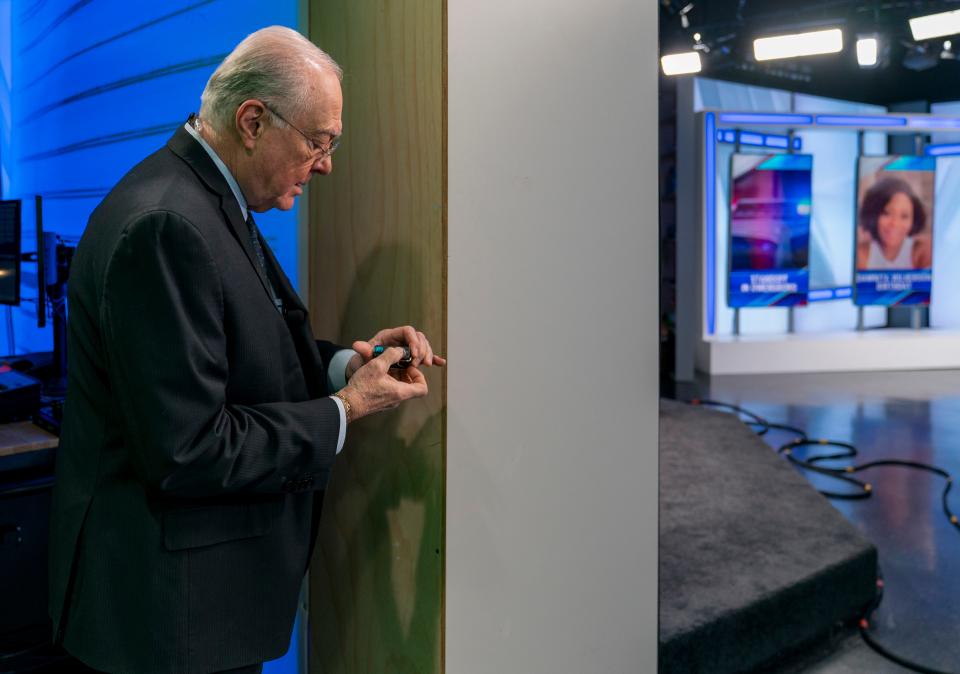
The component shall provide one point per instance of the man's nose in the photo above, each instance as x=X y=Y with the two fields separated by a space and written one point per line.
x=324 y=166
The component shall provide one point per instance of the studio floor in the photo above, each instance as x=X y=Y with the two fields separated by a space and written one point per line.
x=912 y=416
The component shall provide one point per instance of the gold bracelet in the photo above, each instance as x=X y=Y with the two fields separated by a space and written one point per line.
x=346 y=405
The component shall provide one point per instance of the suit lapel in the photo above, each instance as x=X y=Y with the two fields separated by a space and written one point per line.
x=282 y=284
x=298 y=322
x=187 y=148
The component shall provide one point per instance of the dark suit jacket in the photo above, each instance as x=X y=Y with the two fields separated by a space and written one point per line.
x=196 y=433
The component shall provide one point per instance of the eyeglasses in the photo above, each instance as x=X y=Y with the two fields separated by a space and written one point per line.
x=318 y=150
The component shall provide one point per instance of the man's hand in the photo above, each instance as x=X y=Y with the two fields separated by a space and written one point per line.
x=374 y=387
x=420 y=350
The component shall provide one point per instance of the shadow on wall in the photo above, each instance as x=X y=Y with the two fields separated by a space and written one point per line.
x=377 y=574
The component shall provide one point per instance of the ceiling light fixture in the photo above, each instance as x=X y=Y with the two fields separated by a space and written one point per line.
x=947 y=53
x=699 y=45
x=684 y=19
x=684 y=63
x=868 y=52
x=828 y=41
x=935 y=25
x=919 y=58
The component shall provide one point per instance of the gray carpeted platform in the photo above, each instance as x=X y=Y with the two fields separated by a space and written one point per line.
x=753 y=562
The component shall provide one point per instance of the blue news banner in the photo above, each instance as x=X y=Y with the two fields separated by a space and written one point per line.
x=902 y=287
x=769 y=288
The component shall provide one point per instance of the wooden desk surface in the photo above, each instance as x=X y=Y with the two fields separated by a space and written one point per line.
x=24 y=436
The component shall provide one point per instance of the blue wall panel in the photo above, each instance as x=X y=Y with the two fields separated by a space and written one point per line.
x=97 y=85
x=5 y=104
x=88 y=88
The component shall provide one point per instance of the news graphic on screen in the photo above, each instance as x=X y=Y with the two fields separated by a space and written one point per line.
x=770 y=199
x=894 y=230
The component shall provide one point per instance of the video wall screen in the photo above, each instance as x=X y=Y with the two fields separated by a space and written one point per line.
x=10 y=252
x=894 y=230
x=770 y=206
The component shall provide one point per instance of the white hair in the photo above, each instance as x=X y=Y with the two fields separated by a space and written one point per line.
x=270 y=65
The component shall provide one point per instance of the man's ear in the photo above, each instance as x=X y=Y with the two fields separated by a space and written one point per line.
x=250 y=120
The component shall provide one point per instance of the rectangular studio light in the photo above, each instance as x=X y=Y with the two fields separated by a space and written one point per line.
x=935 y=25
x=945 y=150
x=710 y=185
x=684 y=63
x=860 y=120
x=765 y=118
x=824 y=294
x=828 y=41
x=751 y=139
x=934 y=122
x=820 y=295
x=868 y=52
x=758 y=139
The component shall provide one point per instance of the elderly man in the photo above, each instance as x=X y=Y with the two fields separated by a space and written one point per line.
x=202 y=418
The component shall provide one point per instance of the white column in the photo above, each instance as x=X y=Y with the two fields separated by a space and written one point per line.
x=551 y=520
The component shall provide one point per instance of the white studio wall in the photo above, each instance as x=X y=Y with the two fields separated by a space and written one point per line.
x=946 y=280
x=553 y=338
x=823 y=335
x=831 y=237
x=945 y=108
x=946 y=246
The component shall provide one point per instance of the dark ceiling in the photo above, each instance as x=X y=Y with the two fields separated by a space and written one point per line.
x=728 y=28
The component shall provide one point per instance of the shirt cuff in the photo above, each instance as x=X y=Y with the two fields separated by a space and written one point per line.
x=337 y=372
x=342 y=435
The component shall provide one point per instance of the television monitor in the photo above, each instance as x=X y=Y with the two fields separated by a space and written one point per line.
x=769 y=243
x=10 y=252
x=41 y=267
x=893 y=251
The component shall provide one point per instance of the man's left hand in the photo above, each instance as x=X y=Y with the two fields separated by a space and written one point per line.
x=421 y=352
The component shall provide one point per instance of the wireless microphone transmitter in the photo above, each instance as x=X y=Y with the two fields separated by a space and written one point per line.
x=401 y=364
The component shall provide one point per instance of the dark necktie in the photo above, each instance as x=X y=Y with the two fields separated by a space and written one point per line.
x=258 y=249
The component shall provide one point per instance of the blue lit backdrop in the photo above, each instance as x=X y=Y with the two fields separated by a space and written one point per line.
x=91 y=87
x=100 y=84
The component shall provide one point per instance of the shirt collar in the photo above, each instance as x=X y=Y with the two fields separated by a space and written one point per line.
x=234 y=187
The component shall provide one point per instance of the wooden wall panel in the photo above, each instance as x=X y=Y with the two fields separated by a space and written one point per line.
x=377 y=259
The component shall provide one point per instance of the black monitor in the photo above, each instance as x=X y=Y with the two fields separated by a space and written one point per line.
x=41 y=267
x=10 y=252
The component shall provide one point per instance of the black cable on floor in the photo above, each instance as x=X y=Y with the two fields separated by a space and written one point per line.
x=755 y=421
x=863 y=490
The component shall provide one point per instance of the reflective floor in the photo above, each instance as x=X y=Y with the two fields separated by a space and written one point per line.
x=911 y=416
